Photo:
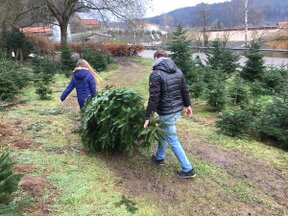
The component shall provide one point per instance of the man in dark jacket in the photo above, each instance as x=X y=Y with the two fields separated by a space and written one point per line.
x=168 y=95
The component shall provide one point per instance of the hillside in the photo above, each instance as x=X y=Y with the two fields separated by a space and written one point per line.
x=228 y=14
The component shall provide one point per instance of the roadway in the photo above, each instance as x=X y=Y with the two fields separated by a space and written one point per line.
x=269 y=61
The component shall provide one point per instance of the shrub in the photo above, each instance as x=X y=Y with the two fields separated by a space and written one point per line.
x=123 y=50
x=113 y=122
x=41 y=44
x=13 y=78
x=273 y=122
x=234 y=122
x=98 y=60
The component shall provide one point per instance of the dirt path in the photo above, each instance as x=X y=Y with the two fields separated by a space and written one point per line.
x=272 y=181
x=228 y=182
x=147 y=180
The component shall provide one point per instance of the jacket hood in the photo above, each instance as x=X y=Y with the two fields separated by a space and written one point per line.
x=80 y=74
x=166 y=65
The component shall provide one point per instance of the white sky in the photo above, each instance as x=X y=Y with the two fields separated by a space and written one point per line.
x=164 y=6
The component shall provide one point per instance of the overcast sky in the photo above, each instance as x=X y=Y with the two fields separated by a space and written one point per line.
x=164 y=6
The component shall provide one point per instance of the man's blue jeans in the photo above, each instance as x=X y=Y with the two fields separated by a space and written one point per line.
x=173 y=140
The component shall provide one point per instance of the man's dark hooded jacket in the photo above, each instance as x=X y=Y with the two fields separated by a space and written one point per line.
x=168 y=89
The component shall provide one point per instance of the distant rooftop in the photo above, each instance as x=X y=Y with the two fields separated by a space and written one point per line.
x=36 y=30
x=87 y=15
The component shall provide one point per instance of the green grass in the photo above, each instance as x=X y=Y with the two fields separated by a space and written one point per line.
x=87 y=184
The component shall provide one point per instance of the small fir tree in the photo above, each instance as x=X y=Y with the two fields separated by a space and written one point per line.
x=215 y=92
x=220 y=58
x=273 y=122
x=68 y=63
x=8 y=185
x=234 y=122
x=238 y=92
x=8 y=180
x=254 y=68
x=44 y=71
x=181 y=53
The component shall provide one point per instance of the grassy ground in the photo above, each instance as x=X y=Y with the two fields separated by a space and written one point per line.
x=234 y=176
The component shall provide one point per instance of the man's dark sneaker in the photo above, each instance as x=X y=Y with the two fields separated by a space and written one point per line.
x=158 y=162
x=186 y=175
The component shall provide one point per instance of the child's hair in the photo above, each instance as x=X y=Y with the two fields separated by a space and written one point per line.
x=84 y=63
x=160 y=53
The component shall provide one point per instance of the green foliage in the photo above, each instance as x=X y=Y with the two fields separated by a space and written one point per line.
x=181 y=53
x=16 y=41
x=44 y=71
x=98 y=60
x=9 y=210
x=13 y=78
x=254 y=68
x=274 y=80
x=234 y=122
x=238 y=92
x=113 y=122
x=273 y=122
x=8 y=180
x=68 y=63
x=195 y=80
x=215 y=92
x=223 y=59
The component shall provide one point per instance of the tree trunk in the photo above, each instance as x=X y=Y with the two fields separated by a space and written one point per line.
x=63 y=28
x=21 y=55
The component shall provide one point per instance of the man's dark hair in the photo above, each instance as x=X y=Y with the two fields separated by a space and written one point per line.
x=160 y=53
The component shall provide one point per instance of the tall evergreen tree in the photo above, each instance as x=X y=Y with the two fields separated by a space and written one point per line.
x=254 y=68
x=181 y=53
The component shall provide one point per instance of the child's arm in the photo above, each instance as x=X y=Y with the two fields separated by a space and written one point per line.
x=92 y=85
x=68 y=89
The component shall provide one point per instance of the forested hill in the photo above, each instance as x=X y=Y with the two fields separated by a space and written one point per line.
x=227 y=14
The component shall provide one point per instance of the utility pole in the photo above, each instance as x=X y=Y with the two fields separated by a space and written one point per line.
x=246 y=22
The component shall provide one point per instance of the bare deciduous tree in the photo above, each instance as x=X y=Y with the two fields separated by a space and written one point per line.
x=20 y=13
x=63 y=10
x=203 y=20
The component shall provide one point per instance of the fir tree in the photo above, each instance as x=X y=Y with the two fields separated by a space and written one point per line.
x=44 y=71
x=238 y=91
x=8 y=180
x=181 y=53
x=254 y=68
x=67 y=61
x=221 y=58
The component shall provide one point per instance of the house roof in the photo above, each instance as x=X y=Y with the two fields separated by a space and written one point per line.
x=90 y=22
x=36 y=30
x=282 y=25
x=87 y=15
